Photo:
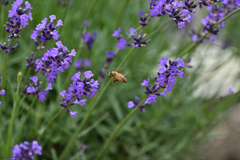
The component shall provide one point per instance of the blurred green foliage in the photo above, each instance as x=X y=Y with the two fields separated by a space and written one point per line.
x=169 y=129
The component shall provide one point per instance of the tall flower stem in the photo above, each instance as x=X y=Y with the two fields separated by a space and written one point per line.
x=4 y=77
x=64 y=15
x=116 y=131
x=19 y=79
x=59 y=112
x=26 y=118
x=88 y=114
x=29 y=110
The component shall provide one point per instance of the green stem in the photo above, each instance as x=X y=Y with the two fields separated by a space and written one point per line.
x=30 y=108
x=10 y=127
x=88 y=114
x=40 y=136
x=26 y=78
x=19 y=79
x=82 y=125
x=4 y=70
x=126 y=57
x=25 y=120
x=64 y=16
x=20 y=104
x=116 y=131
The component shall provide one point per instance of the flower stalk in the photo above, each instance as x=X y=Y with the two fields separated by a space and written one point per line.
x=117 y=130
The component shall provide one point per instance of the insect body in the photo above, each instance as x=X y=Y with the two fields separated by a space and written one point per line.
x=117 y=77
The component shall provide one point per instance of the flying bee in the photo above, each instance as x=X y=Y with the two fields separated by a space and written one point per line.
x=117 y=77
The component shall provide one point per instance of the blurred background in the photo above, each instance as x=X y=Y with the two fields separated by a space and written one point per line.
x=193 y=122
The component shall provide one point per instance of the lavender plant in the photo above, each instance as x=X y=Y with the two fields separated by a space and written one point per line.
x=172 y=123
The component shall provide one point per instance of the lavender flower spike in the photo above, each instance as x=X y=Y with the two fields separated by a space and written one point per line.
x=46 y=32
x=55 y=60
x=78 y=89
x=26 y=151
x=34 y=89
x=165 y=81
x=18 y=19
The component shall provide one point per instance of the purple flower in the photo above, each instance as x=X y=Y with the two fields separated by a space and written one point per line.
x=179 y=12
x=143 y=19
x=87 y=62
x=138 y=41
x=73 y=114
x=131 y=104
x=45 y=31
x=55 y=60
x=165 y=80
x=80 y=65
x=34 y=89
x=134 y=104
x=145 y=83
x=121 y=44
x=88 y=74
x=78 y=89
x=2 y=92
x=89 y=39
x=151 y=99
x=131 y=31
x=230 y=90
x=26 y=150
x=194 y=38
x=18 y=19
x=116 y=33
x=110 y=55
x=216 y=14
x=181 y=25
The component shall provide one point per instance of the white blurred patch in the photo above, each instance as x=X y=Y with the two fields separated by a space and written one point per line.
x=215 y=82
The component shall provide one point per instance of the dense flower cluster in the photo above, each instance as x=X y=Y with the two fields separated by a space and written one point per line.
x=26 y=151
x=35 y=89
x=215 y=15
x=81 y=64
x=2 y=92
x=55 y=60
x=46 y=31
x=79 y=88
x=18 y=19
x=177 y=10
x=165 y=80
